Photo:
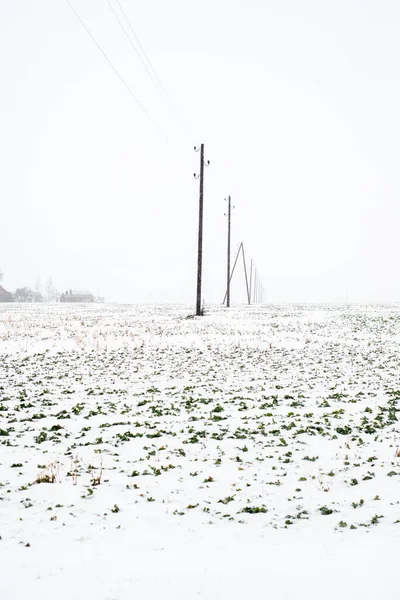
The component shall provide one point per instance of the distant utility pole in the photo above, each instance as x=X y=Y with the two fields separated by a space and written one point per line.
x=230 y=275
x=233 y=269
x=228 y=272
x=200 y=237
x=251 y=278
x=255 y=299
x=245 y=275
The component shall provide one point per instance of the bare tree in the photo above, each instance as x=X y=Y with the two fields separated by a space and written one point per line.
x=51 y=293
x=38 y=286
x=27 y=295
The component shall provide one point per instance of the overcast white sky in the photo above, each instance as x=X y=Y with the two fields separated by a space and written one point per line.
x=297 y=102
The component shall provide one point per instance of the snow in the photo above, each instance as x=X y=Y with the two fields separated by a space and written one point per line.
x=251 y=451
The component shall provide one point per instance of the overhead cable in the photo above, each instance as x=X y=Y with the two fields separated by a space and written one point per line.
x=114 y=68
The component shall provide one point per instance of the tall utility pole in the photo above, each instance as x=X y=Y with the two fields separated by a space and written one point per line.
x=200 y=239
x=228 y=271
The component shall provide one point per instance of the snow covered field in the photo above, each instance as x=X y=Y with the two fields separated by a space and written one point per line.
x=254 y=451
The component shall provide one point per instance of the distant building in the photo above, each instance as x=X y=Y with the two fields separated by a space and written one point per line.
x=5 y=296
x=72 y=296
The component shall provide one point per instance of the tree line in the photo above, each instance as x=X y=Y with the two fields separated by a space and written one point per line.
x=39 y=293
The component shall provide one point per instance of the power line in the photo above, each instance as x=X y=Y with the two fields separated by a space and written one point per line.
x=149 y=72
x=114 y=68
x=152 y=72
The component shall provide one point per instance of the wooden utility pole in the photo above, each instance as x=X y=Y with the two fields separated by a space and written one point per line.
x=233 y=269
x=255 y=287
x=228 y=270
x=230 y=275
x=251 y=278
x=200 y=238
x=245 y=274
